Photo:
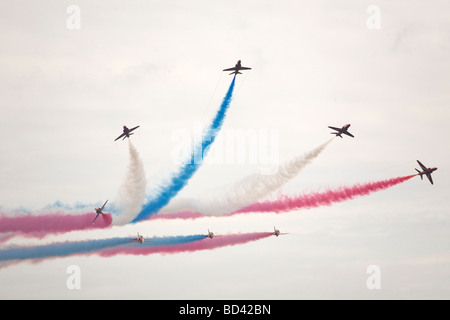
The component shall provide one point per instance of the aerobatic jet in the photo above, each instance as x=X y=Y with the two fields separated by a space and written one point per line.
x=99 y=211
x=340 y=131
x=236 y=68
x=139 y=238
x=277 y=232
x=426 y=171
x=211 y=235
x=126 y=133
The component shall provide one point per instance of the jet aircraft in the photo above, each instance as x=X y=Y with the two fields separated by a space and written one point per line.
x=426 y=171
x=277 y=232
x=212 y=235
x=236 y=68
x=99 y=211
x=126 y=133
x=340 y=131
x=139 y=238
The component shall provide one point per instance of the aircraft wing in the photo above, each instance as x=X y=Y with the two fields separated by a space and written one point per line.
x=430 y=178
x=103 y=205
x=349 y=134
x=334 y=128
x=230 y=69
x=95 y=218
x=421 y=165
x=122 y=135
x=133 y=129
x=244 y=68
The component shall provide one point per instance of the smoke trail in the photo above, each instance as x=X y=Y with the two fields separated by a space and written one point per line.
x=317 y=199
x=132 y=192
x=205 y=244
x=60 y=249
x=257 y=186
x=181 y=178
x=131 y=197
x=115 y=246
x=93 y=246
x=251 y=188
x=183 y=214
x=40 y=225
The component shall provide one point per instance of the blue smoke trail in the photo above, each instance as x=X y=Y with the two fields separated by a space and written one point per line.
x=61 y=249
x=82 y=247
x=181 y=178
x=172 y=240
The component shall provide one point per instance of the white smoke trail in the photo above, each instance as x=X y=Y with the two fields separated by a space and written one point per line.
x=248 y=190
x=131 y=195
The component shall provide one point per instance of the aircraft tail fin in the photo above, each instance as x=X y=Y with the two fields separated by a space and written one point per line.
x=420 y=173
x=337 y=134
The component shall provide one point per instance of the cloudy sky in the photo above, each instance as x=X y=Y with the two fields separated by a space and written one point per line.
x=381 y=66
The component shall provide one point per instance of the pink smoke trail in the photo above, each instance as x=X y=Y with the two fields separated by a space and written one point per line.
x=40 y=225
x=286 y=203
x=204 y=244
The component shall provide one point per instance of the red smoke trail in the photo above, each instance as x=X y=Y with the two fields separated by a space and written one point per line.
x=285 y=203
x=204 y=244
x=40 y=225
x=317 y=199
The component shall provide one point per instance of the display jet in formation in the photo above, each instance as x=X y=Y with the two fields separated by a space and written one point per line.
x=126 y=133
x=139 y=238
x=236 y=68
x=340 y=131
x=99 y=211
x=425 y=171
x=277 y=232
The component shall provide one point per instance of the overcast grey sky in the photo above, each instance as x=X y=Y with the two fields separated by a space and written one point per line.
x=66 y=93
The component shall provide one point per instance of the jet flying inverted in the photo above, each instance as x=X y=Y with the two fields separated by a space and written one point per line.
x=99 y=211
x=126 y=133
x=236 y=68
x=340 y=131
x=426 y=171
x=277 y=232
